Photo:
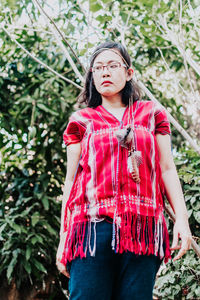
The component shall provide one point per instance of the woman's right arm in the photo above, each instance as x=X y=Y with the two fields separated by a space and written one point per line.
x=73 y=157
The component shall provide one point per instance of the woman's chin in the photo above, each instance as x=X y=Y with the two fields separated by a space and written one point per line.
x=108 y=93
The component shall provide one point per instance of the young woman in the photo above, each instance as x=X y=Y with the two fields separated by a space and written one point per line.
x=113 y=233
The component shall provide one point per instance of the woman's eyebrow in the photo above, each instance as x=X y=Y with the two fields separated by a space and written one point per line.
x=100 y=62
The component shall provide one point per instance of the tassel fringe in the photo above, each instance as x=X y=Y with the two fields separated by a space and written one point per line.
x=142 y=235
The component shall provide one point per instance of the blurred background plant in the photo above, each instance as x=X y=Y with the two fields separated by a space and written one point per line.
x=36 y=99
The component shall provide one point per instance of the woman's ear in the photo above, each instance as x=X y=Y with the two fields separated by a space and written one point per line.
x=130 y=72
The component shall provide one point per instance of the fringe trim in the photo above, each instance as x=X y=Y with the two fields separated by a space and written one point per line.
x=142 y=235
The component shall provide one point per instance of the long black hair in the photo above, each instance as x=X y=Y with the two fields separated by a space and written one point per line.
x=90 y=96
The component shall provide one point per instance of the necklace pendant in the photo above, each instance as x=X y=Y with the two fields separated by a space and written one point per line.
x=134 y=161
x=124 y=136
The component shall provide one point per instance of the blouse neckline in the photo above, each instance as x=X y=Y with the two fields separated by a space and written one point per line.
x=108 y=112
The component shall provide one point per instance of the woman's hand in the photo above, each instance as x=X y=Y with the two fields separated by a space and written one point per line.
x=182 y=231
x=61 y=267
x=73 y=157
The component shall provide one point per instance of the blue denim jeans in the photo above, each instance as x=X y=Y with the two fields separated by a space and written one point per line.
x=109 y=275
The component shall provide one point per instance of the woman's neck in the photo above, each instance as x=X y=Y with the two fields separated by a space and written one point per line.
x=112 y=103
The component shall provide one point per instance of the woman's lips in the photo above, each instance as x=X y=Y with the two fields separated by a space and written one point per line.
x=106 y=82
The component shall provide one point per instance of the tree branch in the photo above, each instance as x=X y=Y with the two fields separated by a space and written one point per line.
x=196 y=101
x=89 y=22
x=39 y=61
x=175 y=77
x=193 y=18
x=38 y=30
x=171 y=119
x=54 y=30
x=61 y=34
x=171 y=36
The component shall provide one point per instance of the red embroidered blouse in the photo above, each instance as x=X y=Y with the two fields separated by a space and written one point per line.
x=103 y=186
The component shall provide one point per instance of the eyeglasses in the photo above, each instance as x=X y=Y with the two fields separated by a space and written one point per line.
x=110 y=67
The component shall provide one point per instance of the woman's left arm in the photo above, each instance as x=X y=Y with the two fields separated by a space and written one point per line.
x=174 y=195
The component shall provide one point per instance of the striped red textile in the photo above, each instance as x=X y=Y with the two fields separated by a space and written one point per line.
x=103 y=185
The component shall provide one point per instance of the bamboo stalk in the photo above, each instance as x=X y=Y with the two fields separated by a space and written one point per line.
x=62 y=36
x=171 y=36
x=39 y=61
x=178 y=81
x=194 y=245
x=50 y=22
x=171 y=119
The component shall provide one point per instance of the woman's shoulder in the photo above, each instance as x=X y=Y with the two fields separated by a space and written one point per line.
x=146 y=106
x=82 y=112
x=83 y=115
x=150 y=105
x=146 y=103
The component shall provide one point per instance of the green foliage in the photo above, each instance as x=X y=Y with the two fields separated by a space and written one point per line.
x=181 y=279
x=35 y=106
x=34 y=109
x=189 y=173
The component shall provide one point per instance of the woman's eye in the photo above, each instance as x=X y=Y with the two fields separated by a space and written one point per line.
x=114 y=66
x=98 y=68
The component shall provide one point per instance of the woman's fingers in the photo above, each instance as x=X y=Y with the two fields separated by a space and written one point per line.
x=185 y=245
x=182 y=231
x=62 y=269
x=175 y=244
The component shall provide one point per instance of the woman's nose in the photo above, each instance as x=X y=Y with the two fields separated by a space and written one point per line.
x=105 y=71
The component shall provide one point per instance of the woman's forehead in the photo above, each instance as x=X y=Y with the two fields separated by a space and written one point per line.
x=108 y=55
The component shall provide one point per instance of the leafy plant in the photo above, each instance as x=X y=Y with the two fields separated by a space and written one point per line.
x=181 y=279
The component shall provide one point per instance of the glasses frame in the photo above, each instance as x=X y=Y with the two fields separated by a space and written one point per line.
x=93 y=69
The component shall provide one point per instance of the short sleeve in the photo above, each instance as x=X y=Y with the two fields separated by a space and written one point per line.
x=75 y=130
x=162 y=124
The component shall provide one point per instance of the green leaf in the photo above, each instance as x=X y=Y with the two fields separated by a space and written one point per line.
x=50 y=229
x=35 y=218
x=39 y=239
x=189 y=279
x=34 y=240
x=197 y=216
x=11 y=268
x=39 y=266
x=136 y=22
x=32 y=132
x=45 y=202
x=94 y=7
x=197 y=291
x=47 y=110
x=27 y=267
x=28 y=253
x=16 y=227
x=83 y=51
x=163 y=8
x=190 y=295
x=189 y=213
x=2 y=228
x=104 y=19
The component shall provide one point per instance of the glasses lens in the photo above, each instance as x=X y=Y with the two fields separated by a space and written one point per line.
x=114 y=66
x=111 y=67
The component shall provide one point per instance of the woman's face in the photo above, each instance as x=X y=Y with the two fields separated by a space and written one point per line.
x=109 y=81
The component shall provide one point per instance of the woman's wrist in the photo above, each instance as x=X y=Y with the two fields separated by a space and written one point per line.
x=182 y=217
x=181 y=213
